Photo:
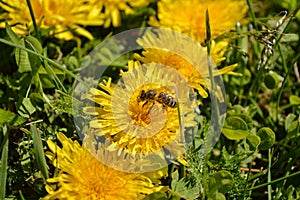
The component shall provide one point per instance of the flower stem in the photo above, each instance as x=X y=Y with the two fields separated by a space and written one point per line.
x=275 y=181
x=36 y=29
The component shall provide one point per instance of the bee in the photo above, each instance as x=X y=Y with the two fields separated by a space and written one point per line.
x=167 y=99
x=163 y=98
x=149 y=95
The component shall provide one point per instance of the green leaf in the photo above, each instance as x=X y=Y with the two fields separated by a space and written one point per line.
x=181 y=187
x=22 y=58
x=267 y=137
x=175 y=177
x=3 y=167
x=73 y=63
x=34 y=44
x=246 y=119
x=26 y=109
x=217 y=196
x=289 y=120
x=271 y=80
x=290 y=37
x=46 y=81
x=47 y=76
x=253 y=141
x=38 y=84
x=39 y=151
x=10 y=118
x=235 y=128
x=28 y=62
x=12 y=35
x=36 y=99
x=294 y=129
x=23 y=84
x=294 y=100
x=221 y=181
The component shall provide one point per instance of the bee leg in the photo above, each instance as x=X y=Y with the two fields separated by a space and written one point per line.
x=151 y=108
x=164 y=108
x=144 y=103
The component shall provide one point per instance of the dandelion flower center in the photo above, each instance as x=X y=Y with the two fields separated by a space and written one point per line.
x=140 y=114
x=149 y=109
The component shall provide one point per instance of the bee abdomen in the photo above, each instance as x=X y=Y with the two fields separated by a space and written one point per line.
x=167 y=99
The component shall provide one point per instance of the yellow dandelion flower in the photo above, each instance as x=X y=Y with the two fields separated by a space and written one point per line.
x=188 y=16
x=133 y=116
x=183 y=55
x=82 y=176
x=112 y=9
x=65 y=16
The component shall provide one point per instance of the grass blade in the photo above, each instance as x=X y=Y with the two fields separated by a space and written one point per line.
x=33 y=20
x=39 y=151
x=269 y=174
x=3 y=167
